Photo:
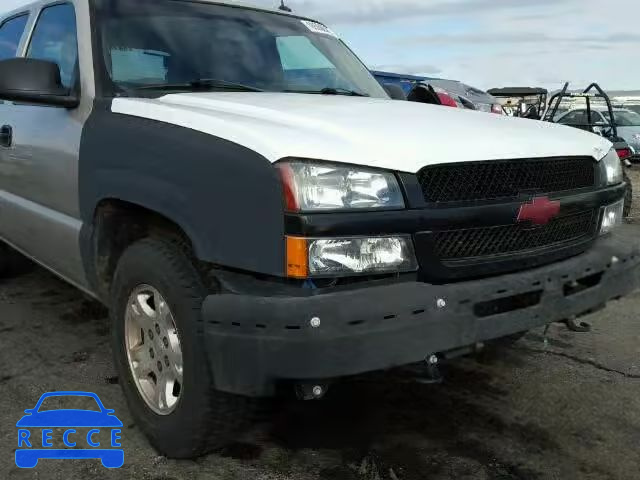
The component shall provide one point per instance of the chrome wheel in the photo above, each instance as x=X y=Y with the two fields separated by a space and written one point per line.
x=153 y=349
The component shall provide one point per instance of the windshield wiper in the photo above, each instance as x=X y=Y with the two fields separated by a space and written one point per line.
x=342 y=91
x=201 y=84
x=331 y=91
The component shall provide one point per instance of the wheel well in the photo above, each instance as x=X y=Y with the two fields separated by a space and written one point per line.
x=119 y=224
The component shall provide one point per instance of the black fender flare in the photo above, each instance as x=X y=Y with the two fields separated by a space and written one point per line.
x=227 y=198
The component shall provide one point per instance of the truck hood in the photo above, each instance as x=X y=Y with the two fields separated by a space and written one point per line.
x=390 y=134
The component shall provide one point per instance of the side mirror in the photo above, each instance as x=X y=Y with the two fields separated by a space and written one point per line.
x=394 y=91
x=34 y=81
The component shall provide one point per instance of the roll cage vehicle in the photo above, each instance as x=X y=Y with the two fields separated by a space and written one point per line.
x=526 y=102
x=259 y=216
x=605 y=124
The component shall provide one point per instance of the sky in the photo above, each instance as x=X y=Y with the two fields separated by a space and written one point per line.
x=487 y=43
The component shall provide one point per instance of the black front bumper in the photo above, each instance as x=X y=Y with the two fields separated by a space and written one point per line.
x=254 y=342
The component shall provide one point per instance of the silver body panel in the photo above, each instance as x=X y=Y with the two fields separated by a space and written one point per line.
x=39 y=201
x=631 y=135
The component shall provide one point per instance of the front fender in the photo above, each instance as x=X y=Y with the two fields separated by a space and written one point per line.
x=227 y=198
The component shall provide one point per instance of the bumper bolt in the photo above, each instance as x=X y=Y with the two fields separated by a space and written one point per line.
x=315 y=322
x=441 y=303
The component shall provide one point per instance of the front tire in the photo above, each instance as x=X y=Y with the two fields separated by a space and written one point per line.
x=157 y=285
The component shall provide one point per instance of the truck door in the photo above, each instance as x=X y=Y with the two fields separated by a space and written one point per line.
x=39 y=207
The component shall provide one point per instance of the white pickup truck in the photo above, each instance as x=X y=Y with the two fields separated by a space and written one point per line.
x=253 y=209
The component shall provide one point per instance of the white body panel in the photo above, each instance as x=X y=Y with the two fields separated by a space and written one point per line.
x=397 y=135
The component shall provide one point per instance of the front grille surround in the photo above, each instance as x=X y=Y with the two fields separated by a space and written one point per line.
x=505 y=179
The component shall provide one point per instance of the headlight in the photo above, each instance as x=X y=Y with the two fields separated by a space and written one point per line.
x=612 y=217
x=335 y=257
x=311 y=187
x=613 y=168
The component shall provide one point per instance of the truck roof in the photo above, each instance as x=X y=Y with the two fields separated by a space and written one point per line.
x=234 y=3
x=243 y=4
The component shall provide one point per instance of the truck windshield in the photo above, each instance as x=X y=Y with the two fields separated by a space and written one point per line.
x=151 y=45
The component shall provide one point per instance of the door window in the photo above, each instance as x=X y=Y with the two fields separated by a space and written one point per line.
x=55 y=39
x=598 y=119
x=578 y=117
x=10 y=34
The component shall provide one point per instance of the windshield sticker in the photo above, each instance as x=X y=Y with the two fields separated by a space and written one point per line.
x=316 y=27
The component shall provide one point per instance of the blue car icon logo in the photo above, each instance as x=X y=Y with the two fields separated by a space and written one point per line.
x=32 y=446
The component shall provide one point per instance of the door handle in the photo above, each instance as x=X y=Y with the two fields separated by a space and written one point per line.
x=6 y=135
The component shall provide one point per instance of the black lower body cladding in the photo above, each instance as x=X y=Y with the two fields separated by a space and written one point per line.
x=253 y=342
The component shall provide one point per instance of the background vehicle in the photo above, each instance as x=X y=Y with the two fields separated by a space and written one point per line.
x=451 y=93
x=627 y=123
x=597 y=120
x=468 y=96
x=522 y=101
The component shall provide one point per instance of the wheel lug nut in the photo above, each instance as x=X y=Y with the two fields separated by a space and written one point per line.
x=152 y=353
x=166 y=361
x=166 y=342
x=150 y=335
x=157 y=329
x=159 y=366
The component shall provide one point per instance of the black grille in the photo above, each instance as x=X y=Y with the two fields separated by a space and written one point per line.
x=508 y=239
x=505 y=179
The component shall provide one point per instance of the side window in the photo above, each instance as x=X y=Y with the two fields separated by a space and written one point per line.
x=55 y=39
x=578 y=117
x=10 y=34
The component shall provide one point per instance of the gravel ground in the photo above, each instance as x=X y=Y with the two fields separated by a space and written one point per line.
x=567 y=409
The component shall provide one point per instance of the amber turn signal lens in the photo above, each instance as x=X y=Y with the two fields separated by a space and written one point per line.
x=297 y=258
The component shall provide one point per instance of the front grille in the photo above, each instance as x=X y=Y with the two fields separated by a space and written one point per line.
x=509 y=239
x=505 y=179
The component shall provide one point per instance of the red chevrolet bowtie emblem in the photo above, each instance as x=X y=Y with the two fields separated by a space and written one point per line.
x=539 y=211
